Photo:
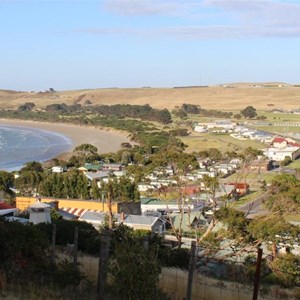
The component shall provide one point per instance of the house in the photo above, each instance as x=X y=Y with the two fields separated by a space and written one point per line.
x=97 y=219
x=112 y=167
x=224 y=191
x=281 y=143
x=262 y=164
x=7 y=210
x=87 y=167
x=16 y=219
x=200 y=129
x=144 y=187
x=102 y=175
x=156 y=204
x=282 y=148
x=189 y=221
x=57 y=169
x=280 y=154
x=241 y=188
x=137 y=222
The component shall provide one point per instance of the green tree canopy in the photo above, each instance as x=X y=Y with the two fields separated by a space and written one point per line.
x=249 y=112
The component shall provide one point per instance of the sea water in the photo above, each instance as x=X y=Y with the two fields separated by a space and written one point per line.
x=19 y=145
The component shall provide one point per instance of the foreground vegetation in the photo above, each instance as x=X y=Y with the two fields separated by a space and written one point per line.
x=26 y=252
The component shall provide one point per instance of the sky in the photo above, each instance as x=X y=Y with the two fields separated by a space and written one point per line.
x=147 y=43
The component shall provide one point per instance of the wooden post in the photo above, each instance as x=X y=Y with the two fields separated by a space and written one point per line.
x=53 y=244
x=102 y=269
x=257 y=274
x=75 y=245
x=192 y=266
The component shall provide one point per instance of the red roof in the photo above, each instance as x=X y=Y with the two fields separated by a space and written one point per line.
x=240 y=185
x=279 y=140
x=4 y=205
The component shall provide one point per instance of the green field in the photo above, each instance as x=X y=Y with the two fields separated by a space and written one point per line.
x=292 y=218
x=295 y=164
x=246 y=199
x=223 y=142
x=253 y=178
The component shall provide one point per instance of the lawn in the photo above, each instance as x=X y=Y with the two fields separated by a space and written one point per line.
x=253 y=178
x=223 y=142
x=247 y=199
x=295 y=164
x=292 y=218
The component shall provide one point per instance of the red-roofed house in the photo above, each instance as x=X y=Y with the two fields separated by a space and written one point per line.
x=6 y=209
x=241 y=188
x=280 y=142
x=4 y=205
x=282 y=148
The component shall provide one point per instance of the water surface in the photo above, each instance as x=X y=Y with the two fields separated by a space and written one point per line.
x=20 y=144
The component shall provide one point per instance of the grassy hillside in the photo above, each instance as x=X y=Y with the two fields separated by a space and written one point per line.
x=233 y=97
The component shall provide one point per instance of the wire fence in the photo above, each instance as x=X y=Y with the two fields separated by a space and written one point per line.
x=174 y=283
x=212 y=280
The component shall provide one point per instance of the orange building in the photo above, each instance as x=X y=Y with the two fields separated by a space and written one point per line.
x=79 y=206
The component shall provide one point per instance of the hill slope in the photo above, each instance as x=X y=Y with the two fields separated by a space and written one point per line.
x=231 y=97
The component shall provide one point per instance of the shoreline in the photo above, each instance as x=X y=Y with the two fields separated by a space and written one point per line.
x=106 y=140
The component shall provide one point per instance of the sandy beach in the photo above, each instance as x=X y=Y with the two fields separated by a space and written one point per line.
x=105 y=140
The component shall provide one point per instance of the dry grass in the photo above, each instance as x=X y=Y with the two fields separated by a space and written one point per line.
x=199 y=142
x=208 y=97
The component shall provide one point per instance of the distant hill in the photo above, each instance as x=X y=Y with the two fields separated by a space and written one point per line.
x=227 y=97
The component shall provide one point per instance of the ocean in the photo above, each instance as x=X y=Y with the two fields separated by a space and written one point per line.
x=20 y=144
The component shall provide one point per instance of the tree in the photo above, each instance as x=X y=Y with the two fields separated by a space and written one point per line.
x=179 y=112
x=133 y=280
x=249 y=112
x=85 y=149
x=287 y=160
x=6 y=181
x=164 y=116
x=28 y=106
x=28 y=182
x=191 y=108
x=211 y=185
x=272 y=229
x=32 y=166
x=284 y=194
x=85 y=153
x=286 y=268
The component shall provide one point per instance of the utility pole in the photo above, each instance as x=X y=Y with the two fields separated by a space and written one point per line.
x=192 y=266
x=257 y=274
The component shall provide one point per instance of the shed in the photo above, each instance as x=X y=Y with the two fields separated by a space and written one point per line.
x=39 y=213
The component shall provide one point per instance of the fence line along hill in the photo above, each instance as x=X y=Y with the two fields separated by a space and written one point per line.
x=226 y=97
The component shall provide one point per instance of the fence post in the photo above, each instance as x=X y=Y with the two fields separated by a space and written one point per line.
x=102 y=270
x=257 y=274
x=192 y=266
x=75 y=245
x=53 y=243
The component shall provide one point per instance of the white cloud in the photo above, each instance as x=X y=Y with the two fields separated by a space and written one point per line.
x=228 y=19
x=141 y=7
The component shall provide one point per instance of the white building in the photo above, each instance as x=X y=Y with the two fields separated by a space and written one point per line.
x=39 y=213
x=281 y=148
